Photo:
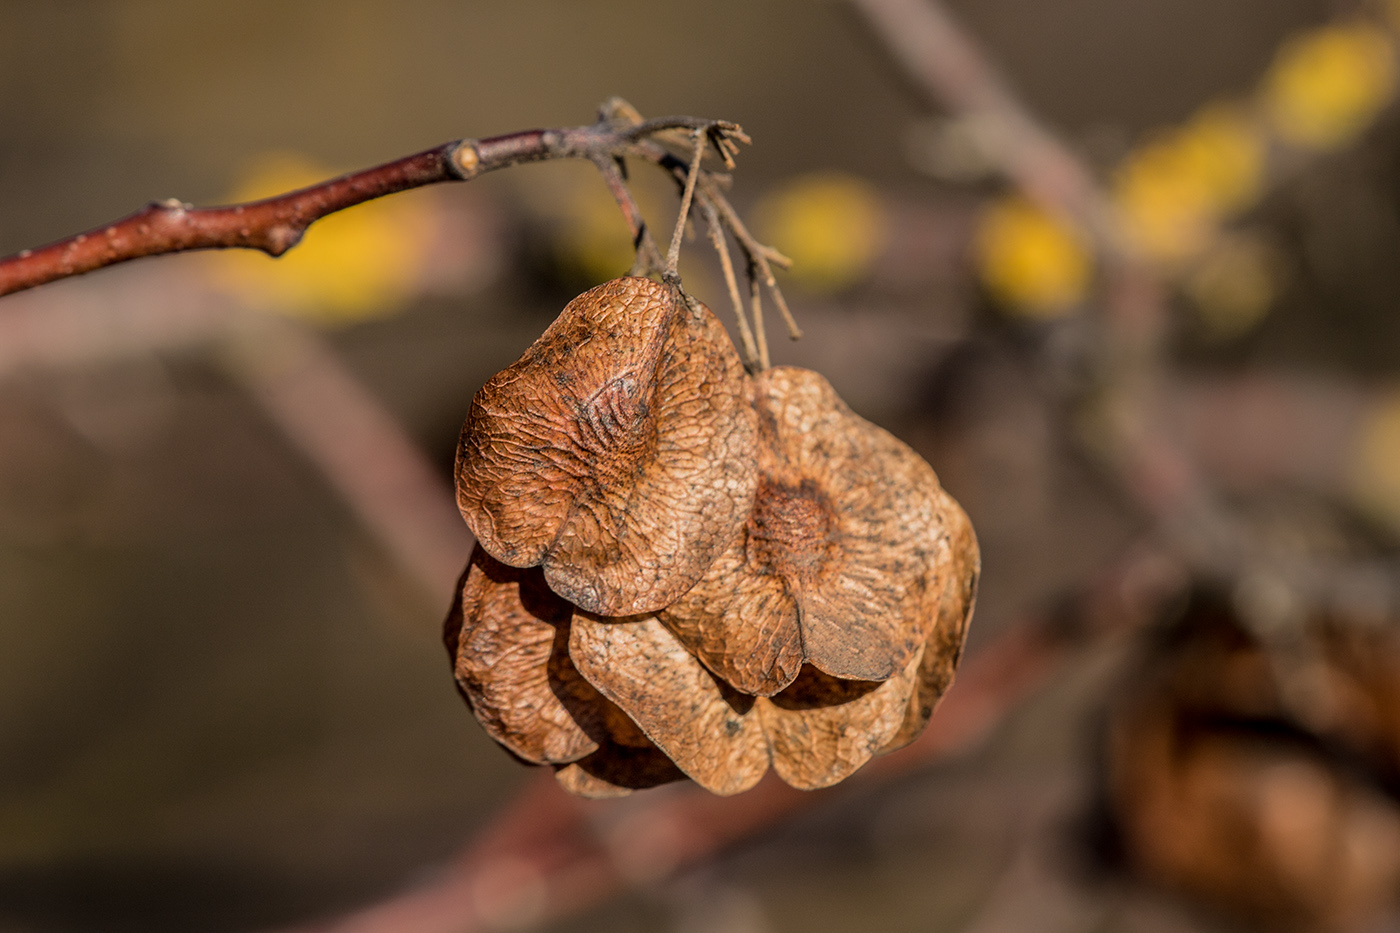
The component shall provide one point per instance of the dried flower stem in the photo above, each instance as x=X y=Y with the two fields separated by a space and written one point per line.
x=761 y=258
x=648 y=259
x=753 y=354
x=756 y=312
x=673 y=255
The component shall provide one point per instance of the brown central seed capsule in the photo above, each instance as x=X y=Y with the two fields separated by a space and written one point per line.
x=790 y=530
x=845 y=559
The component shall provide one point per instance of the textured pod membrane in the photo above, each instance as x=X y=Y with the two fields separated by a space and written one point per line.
x=833 y=578
x=508 y=636
x=938 y=662
x=815 y=733
x=617 y=453
x=846 y=560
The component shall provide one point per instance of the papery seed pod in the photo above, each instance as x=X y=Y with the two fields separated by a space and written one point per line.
x=845 y=563
x=617 y=453
x=508 y=635
x=815 y=733
x=938 y=661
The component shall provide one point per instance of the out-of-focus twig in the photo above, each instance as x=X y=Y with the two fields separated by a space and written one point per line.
x=322 y=409
x=358 y=446
x=946 y=63
x=1117 y=419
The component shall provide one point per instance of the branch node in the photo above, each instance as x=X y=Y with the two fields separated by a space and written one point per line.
x=282 y=238
x=465 y=160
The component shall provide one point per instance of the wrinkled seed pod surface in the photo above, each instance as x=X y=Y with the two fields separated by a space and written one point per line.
x=618 y=703
x=845 y=563
x=617 y=452
x=507 y=635
x=815 y=733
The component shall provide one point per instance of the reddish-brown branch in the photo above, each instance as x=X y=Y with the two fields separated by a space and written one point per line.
x=275 y=225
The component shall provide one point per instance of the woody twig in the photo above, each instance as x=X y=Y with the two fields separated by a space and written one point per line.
x=277 y=224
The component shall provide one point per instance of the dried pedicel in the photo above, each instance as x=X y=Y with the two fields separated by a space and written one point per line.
x=849 y=555
x=617 y=453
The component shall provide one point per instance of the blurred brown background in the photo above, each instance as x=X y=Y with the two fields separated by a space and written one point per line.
x=223 y=704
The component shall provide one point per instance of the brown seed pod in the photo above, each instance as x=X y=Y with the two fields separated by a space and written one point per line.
x=1261 y=780
x=845 y=563
x=939 y=660
x=815 y=733
x=508 y=635
x=617 y=453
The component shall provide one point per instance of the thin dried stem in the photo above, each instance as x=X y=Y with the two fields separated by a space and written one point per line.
x=756 y=312
x=673 y=255
x=946 y=63
x=752 y=354
x=707 y=190
x=761 y=257
x=648 y=259
x=794 y=331
x=723 y=128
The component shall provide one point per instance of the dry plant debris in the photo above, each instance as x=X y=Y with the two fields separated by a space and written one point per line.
x=1262 y=778
x=687 y=568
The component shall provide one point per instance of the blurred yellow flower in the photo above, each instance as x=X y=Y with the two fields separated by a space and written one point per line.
x=1327 y=85
x=1033 y=262
x=831 y=225
x=1234 y=285
x=359 y=263
x=591 y=237
x=1173 y=191
x=1375 y=461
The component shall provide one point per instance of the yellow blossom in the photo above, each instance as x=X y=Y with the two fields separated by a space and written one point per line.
x=1234 y=285
x=1327 y=85
x=831 y=225
x=358 y=263
x=1033 y=262
x=1173 y=191
x=1374 y=464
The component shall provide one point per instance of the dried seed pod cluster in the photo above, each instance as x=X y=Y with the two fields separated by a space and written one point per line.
x=686 y=570
x=1259 y=778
